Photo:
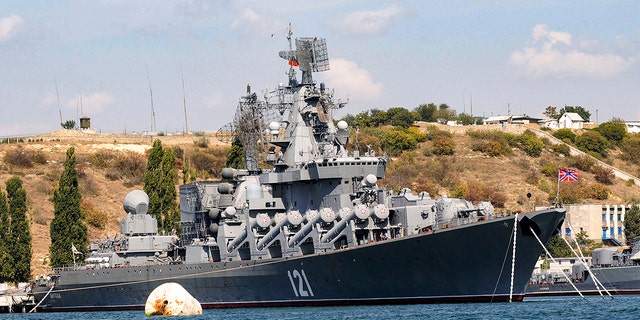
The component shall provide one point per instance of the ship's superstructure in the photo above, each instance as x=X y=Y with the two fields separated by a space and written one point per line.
x=612 y=269
x=313 y=229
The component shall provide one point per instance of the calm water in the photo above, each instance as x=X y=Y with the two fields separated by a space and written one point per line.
x=621 y=307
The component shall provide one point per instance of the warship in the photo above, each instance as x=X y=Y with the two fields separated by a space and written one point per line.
x=314 y=228
x=612 y=270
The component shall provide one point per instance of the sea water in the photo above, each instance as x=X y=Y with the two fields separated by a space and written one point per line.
x=593 y=307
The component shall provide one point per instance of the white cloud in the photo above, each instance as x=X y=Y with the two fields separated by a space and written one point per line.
x=552 y=54
x=251 y=23
x=9 y=26
x=370 y=21
x=348 y=77
x=90 y=104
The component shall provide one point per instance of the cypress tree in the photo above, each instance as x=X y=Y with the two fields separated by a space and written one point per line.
x=235 y=155
x=152 y=180
x=19 y=230
x=160 y=186
x=632 y=222
x=6 y=259
x=67 y=227
x=170 y=211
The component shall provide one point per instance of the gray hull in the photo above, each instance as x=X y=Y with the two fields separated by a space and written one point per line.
x=466 y=263
x=617 y=280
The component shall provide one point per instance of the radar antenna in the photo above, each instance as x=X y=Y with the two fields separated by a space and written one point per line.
x=254 y=116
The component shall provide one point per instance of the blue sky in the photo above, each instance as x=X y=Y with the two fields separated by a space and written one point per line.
x=485 y=57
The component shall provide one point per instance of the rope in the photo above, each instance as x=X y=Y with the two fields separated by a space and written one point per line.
x=43 y=298
x=554 y=261
x=513 y=256
x=504 y=261
x=584 y=263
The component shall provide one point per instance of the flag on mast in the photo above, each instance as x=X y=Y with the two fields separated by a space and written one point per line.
x=567 y=174
x=74 y=249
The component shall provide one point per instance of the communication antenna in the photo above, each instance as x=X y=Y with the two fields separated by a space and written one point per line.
x=153 y=112
x=58 y=97
x=310 y=56
x=184 y=99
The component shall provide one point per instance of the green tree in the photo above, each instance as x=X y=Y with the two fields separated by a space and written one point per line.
x=235 y=155
x=19 y=230
x=466 y=119
x=614 y=131
x=6 y=258
x=169 y=200
x=160 y=186
x=426 y=112
x=378 y=117
x=152 y=179
x=69 y=124
x=445 y=113
x=557 y=247
x=632 y=222
x=551 y=113
x=400 y=117
x=362 y=120
x=67 y=227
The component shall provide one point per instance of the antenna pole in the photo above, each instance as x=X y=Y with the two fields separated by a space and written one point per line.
x=153 y=112
x=58 y=97
x=184 y=99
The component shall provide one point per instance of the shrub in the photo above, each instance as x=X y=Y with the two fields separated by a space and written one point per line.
x=531 y=144
x=18 y=157
x=592 y=141
x=631 y=149
x=582 y=162
x=38 y=157
x=128 y=166
x=614 y=131
x=562 y=149
x=443 y=145
x=478 y=191
x=93 y=216
x=550 y=169
x=178 y=152
x=202 y=142
x=38 y=217
x=603 y=175
x=103 y=158
x=493 y=143
x=565 y=135
x=597 y=191
x=396 y=141
x=418 y=135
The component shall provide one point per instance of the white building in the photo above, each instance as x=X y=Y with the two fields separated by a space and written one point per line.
x=570 y=120
x=632 y=126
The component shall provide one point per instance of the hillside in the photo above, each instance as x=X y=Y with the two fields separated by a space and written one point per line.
x=508 y=175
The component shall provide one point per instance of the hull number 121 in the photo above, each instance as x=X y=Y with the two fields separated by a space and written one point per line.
x=299 y=283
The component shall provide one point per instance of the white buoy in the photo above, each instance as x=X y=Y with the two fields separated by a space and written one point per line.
x=171 y=299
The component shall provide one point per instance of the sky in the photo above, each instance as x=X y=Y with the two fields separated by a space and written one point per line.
x=120 y=62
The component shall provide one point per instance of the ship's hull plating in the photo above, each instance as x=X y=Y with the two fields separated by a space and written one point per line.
x=466 y=263
x=617 y=280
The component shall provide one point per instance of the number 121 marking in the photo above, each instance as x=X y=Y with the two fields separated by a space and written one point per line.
x=302 y=282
